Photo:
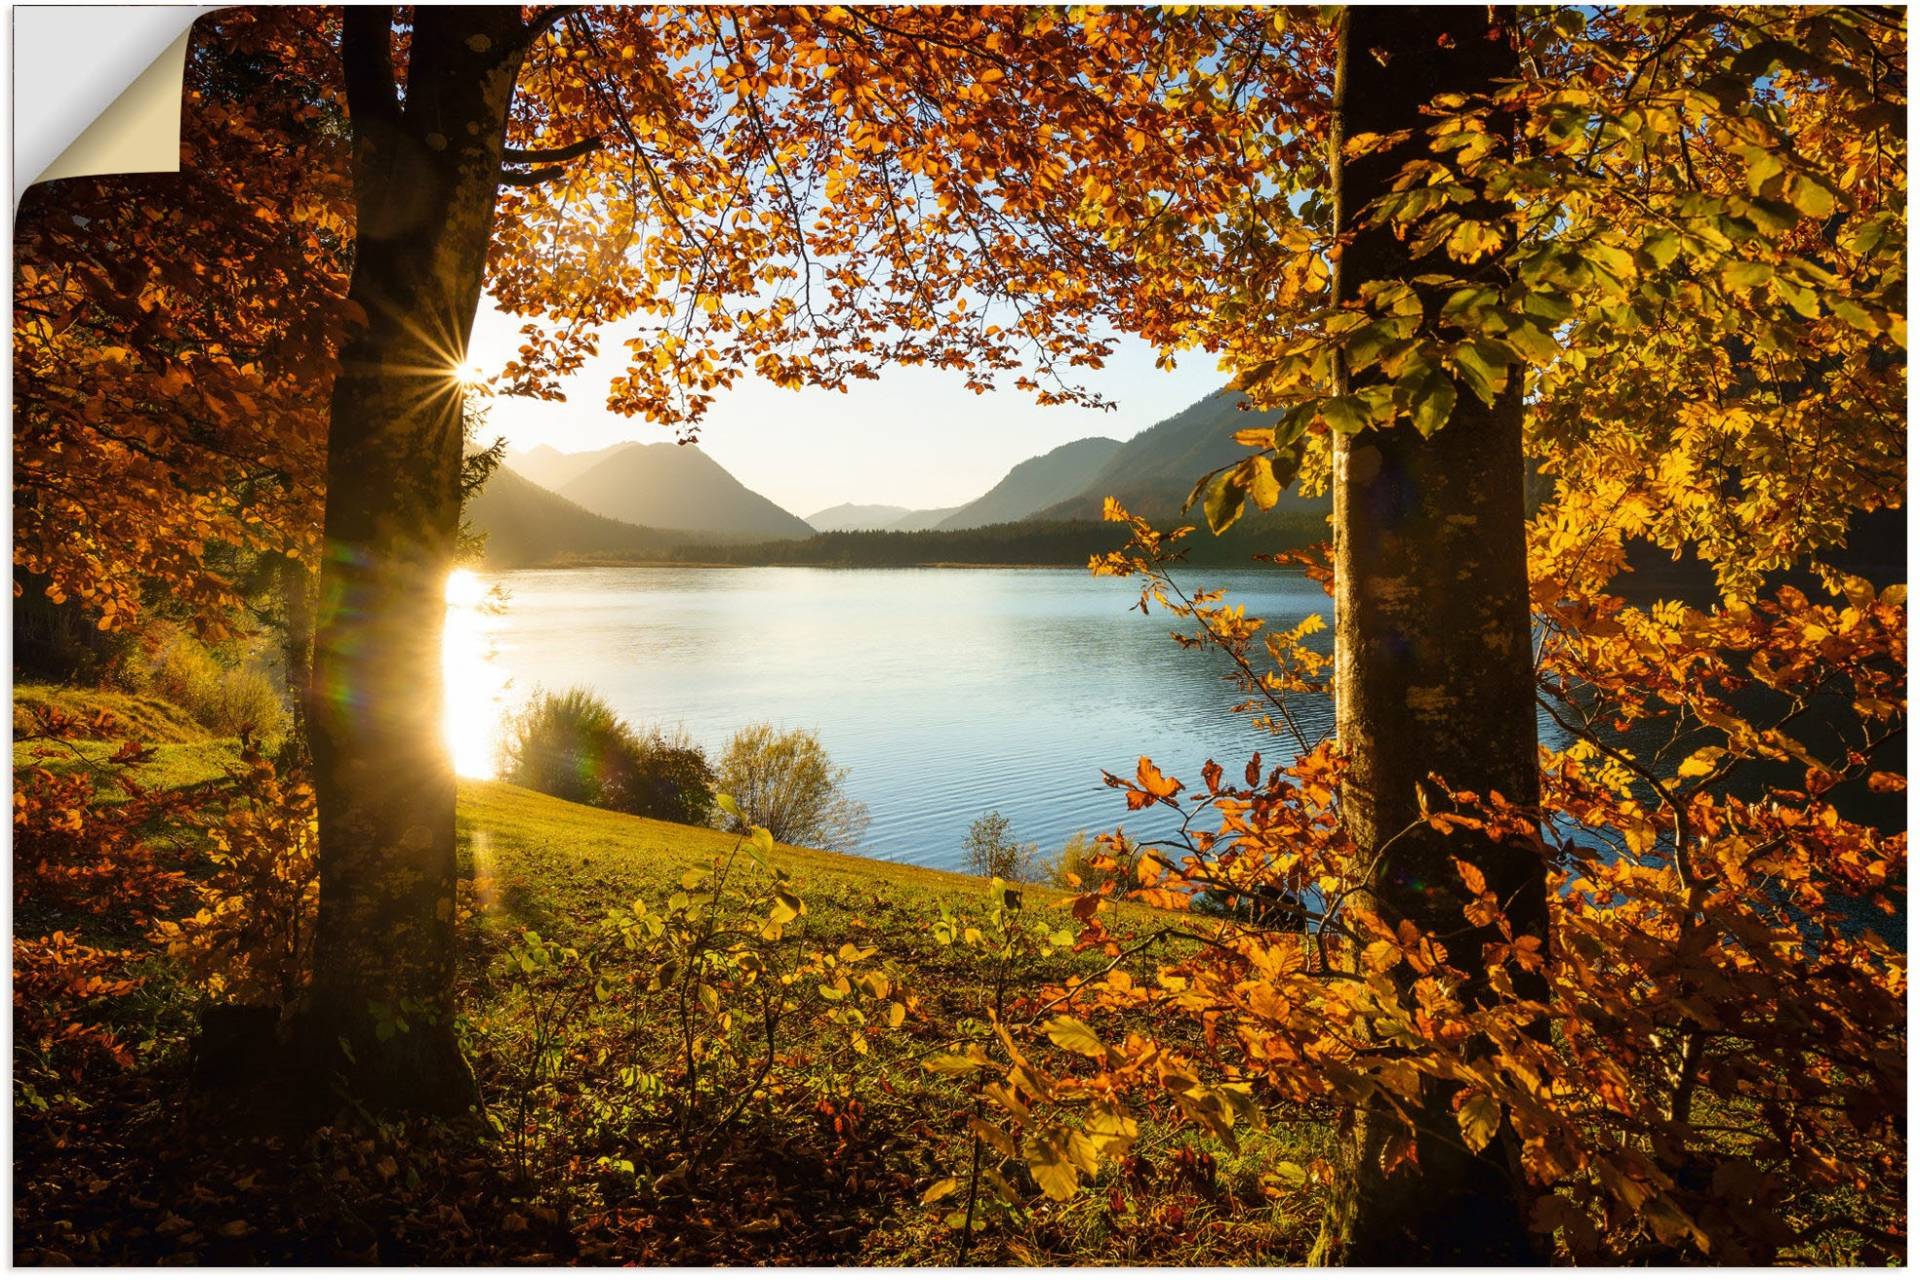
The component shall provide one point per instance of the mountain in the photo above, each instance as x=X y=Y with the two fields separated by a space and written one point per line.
x=851 y=516
x=1036 y=484
x=528 y=525
x=549 y=468
x=854 y=515
x=920 y=521
x=1152 y=473
x=675 y=486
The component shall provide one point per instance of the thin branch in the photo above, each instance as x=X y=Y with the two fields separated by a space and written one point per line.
x=551 y=155
x=539 y=24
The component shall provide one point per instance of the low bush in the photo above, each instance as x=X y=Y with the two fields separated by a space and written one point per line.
x=991 y=850
x=251 y=939
x=1083 y=864
x=228 y=698
x=786 y=783
x=572 y=745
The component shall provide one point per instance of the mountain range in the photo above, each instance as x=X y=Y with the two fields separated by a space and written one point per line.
x=638 y=501
x=877 y=517
x=549 y=468
x=1153 y=473
x=527 y=524
x=1036 y=484
x=676 y=486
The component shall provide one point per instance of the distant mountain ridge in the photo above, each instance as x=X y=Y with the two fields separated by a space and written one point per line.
x=660 y=486
x=922 y=520
x=526 y=524
x=857 y=515
x=550 y=468
x=1153 y=473
x=1036 y=484
x=854 y=516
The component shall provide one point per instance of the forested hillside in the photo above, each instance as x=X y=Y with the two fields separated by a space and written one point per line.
x=1036 y=484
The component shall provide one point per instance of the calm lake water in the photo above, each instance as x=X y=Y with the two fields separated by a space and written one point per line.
x=949 y=692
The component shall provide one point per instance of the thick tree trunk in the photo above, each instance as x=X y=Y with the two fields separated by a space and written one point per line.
x=425 y=181
x=1433 y=669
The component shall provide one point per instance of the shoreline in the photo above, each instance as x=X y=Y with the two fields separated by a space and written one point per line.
x=655 y=563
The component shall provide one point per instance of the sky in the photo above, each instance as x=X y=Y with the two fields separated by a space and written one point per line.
x=913 y=438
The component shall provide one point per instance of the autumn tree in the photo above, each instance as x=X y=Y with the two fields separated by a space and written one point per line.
x=1656 y=252
x=805 y=196
x=1430 y=679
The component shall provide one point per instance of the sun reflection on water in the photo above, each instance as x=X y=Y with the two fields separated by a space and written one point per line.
x=476 y=685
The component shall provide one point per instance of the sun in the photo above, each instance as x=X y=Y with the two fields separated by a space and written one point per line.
x=464 y=589
x=470 y=374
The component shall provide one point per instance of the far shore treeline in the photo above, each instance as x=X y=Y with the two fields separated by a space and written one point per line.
x=1025 y=544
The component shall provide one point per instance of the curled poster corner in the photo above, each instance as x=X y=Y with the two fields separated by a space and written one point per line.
x=69 y=61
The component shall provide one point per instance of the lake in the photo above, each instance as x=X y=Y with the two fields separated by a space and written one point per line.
x=950 y=693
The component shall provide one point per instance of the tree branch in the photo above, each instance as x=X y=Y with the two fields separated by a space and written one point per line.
x=537 y=26
x=533 y=177
x=366 y=56
x=552 y=155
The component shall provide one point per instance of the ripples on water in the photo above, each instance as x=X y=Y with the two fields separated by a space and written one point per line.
x=949 y=692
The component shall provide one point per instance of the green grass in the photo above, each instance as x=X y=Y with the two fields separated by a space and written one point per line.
x=142 y=717
x=173 y=764
x=557 y=867
x=562 y=851
x=827 y=1164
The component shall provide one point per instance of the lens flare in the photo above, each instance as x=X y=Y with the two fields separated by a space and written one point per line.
x=476 y=685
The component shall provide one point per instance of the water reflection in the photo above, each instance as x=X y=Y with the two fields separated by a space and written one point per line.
x=476 y=683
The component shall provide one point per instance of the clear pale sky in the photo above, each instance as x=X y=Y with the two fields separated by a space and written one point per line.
x=914 y=438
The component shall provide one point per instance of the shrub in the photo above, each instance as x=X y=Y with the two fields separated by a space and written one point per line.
x=573 y=746
x=228 y=699
x=1084 y=858
x=666 y=776
x=559 y=742
x=246 y=700
x=251 y=940
x=183 y=672
x=786 y=783
x=991 y=850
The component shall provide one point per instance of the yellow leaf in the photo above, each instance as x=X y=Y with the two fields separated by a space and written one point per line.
x=1075 y=1035
x=1701 y=762
x=1056 y=1157
x=1380 y=956
x=1479 y=1117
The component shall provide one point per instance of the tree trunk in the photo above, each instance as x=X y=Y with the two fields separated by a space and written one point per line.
x=425 y=180
x=1433 y=665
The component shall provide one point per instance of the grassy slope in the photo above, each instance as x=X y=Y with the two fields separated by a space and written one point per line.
x=142 y=716
x=542 y=863
x=556 y=866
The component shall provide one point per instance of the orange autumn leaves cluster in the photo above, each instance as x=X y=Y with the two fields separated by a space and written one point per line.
x=1713 y=1057
x=808 y=195
x=173 y=336
x=92 y=842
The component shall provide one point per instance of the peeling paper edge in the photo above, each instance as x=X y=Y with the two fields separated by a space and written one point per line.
x=139 y=131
